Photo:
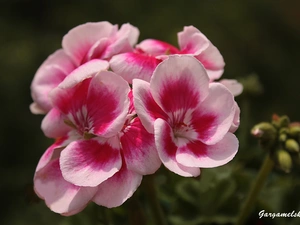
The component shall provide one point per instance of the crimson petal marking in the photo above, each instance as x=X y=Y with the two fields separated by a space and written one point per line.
x=83 y=72
x=198 y=154
x=71 y=100
x=49 y=75
x=145 y=106
x=107 y=103
x=89 y=162
x=139 y=149
x=116 y=190
x=53 y=124
x=78 y=41
x=61 y=196
x=179 y=83
x=192 y=41
x=157 y=47
x=167 y=150
x=132 y=65
x=213 y=118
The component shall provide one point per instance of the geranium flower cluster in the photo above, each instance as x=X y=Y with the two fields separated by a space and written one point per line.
x=118 y=110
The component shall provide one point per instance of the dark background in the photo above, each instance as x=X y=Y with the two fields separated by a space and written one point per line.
x=260 y=37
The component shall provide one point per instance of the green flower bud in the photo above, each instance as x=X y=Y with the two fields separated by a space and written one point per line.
x=284 y=121
x=266 y=133
x=291 y=145
x=264 y=130
x=294 y=129
x=280 y=122
x=284 y=160
x=282 y=137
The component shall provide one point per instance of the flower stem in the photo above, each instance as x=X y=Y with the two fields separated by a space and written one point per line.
x=264 y=171
x=153 y=201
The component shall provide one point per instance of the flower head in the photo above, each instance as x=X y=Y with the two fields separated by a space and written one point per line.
x=190 y=117
x=149 y=53
x=82 y=44
x=104 y=148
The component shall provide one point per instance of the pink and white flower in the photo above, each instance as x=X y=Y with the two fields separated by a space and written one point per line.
x=105 y=147
x=189 y=116
x=82 y=44
x=149 y=53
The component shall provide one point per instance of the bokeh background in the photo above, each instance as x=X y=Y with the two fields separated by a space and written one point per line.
x=260 y=42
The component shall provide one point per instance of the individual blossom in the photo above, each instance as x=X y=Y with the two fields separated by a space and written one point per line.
x=105 y=148
x=149 y=53
x=100 y=40
x=190 y=117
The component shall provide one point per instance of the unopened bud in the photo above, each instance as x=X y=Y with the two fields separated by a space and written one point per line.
x=291 y=145
x=280 y=121
x=282 y=137
x=284 y=160
x=263 y=130
x=294 y=129
x=284 y=121
x=266 y=133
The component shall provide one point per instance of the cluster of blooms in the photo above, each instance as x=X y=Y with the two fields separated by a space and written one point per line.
x=118 y=110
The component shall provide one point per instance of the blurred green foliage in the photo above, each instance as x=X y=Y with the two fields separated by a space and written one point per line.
x=254 y=36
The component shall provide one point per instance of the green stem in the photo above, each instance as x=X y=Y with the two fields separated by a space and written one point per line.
x=264 y=171
x=154 y=202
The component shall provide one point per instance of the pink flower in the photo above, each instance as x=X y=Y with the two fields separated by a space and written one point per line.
x=149 y=53
x=189 y=116
x=105 y=148
x=83 y=43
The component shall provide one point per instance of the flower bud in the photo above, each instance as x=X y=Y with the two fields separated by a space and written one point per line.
x=282 y=137
x=291 y=145
x=263 y=130
x=284 y=121
x=294 y=129
x=284 y=160
x=266 y=132
x=280 y=121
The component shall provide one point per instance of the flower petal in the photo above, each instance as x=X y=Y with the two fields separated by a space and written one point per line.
x=78 y=41
x=36 y=109
x=134 y=65
x=116 y=190
x=197 y=154
x=123 y=41
x=192 y=41
x=157 y=47
x=90 y=162
x=213 y=62
x=139 y=149
x=145 y=106
x=61 y=196
x=53 y=152
x=233 y=86
x=87 y=70
x=179 y=83
x=97 y=105
x=167 y=150
x=72 y=101
x=109 y=91
x=53 y=124
x=236 y=120
x=213 y=118
x=50 y=74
